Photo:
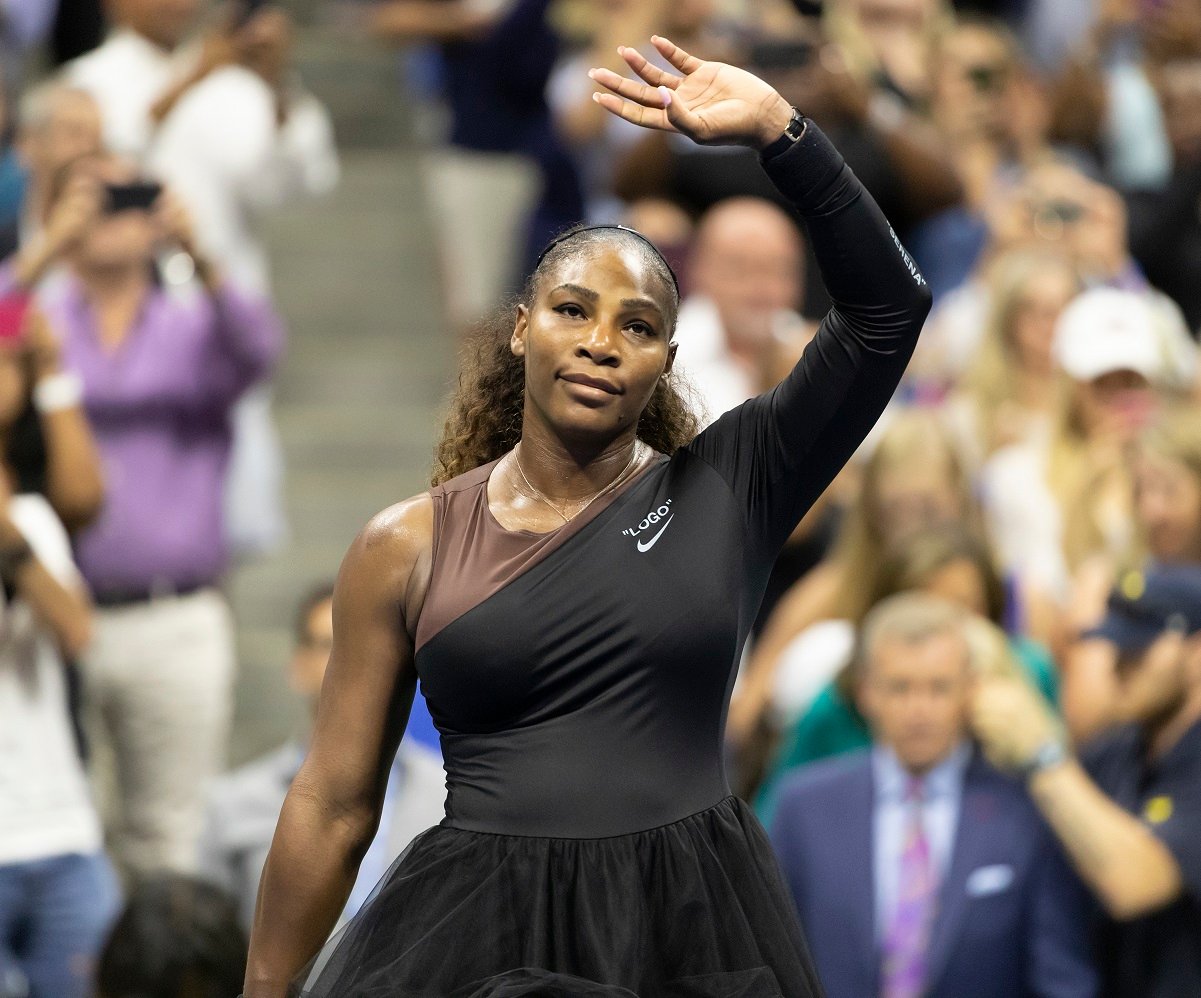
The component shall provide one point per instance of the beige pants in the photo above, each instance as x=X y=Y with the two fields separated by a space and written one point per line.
x=478 y=203
x=158 y=698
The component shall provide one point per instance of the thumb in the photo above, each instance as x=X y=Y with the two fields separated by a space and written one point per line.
x=678 y=114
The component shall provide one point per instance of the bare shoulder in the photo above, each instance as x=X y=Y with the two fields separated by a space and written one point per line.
x=391 y=556
x=403 y=530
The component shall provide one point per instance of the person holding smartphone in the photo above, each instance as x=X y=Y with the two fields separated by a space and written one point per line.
x=161 y=370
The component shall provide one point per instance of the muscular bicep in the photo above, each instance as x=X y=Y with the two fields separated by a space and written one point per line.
x=370 y=681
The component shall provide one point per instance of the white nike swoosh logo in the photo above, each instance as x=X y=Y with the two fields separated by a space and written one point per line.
x=644 y=546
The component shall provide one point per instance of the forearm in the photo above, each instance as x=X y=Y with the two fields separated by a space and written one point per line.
x=64 y=612
x=307 y=878
x=1123 y=863
x=861 y=260
x=927 y=174
x=427 y=20
x=162 y=108
x=833 y=397
x=74 y=482
x=29 y=265
x=1090 y=690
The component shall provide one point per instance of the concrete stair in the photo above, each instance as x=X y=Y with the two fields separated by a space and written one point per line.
x=367 y=367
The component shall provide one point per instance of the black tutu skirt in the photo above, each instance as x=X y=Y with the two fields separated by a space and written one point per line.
x=693 y=909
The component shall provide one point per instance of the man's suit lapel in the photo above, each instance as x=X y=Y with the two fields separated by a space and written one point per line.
x=968 y=853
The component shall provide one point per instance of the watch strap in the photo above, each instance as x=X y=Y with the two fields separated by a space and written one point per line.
x=1051 y=753
x=791 y=135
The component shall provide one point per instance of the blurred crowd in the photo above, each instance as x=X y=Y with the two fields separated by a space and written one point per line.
x=970 y=714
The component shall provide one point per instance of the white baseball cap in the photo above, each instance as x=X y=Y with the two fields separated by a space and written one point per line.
x=1105 y=329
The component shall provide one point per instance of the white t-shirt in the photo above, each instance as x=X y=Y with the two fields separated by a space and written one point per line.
x=221 y=149
x=808 y=663
x=1023 y=517
x=45 y=805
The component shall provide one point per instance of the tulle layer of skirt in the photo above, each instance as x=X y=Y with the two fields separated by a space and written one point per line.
x=693 y=909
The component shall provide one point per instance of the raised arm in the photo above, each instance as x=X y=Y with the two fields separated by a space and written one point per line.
x=779 y=451
x=332 y=809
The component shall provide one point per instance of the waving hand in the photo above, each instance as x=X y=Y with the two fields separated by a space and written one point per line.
x=710 y=102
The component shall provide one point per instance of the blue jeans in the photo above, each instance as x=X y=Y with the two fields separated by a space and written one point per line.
x=54 y=916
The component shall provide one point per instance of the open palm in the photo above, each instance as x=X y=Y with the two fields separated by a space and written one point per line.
x=711 y=102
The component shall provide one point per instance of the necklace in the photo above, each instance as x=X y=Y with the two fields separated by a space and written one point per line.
x=591 y=499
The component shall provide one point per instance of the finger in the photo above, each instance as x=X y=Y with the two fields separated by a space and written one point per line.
x=646 y=69
x=647 y=117
x=629 y=89
x=672 y=52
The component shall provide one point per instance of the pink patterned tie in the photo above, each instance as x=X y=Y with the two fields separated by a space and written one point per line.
x=908 y=935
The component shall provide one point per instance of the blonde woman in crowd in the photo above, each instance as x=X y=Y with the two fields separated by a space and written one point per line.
x=954 y=564
x=1052 y=504
x=1009 y=394
x=1166 y=480
x=913 y=479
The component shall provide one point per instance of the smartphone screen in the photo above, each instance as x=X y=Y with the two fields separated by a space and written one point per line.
x=123 y=197
x=13 y=309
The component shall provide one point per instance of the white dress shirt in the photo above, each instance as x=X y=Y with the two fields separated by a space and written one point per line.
x=942 y=789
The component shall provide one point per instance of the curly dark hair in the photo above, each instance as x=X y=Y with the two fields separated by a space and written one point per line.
x=485 y=412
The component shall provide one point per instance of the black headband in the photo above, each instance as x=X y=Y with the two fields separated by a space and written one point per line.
x=562 y=237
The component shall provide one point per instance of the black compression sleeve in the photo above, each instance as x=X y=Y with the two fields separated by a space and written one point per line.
x=779 y=451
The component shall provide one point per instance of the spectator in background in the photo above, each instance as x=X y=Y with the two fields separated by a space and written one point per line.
x=244 y=805
x=1051 y=504
x=1112 y=80
x=1166 y=466
x=227 y=126
x=989 y=110
x=224 y=122
x=161 y=372
x=24 y=24
x=58 y=893
x=739 y=329
x=1129 y=813
x=58 y=125
x=917 y=868
x=952 y=564
x=176 y=938
x=1057 y=209
x=12 y=177
x=596 y=138
x=1008 y=394
x=1165 y=222
x=913 y=479
x=505 y=177
x=888 y=41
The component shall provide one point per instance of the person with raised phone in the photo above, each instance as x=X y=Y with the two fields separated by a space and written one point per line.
x=580 y=675
x=160 y=371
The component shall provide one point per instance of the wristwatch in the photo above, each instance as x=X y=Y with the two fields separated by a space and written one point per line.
x=1050 y=753
x=792 y=134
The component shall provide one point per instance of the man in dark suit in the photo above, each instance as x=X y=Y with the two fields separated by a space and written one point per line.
x=918 y=869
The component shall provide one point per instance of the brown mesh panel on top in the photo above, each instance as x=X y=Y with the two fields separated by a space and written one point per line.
x=475 y=557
